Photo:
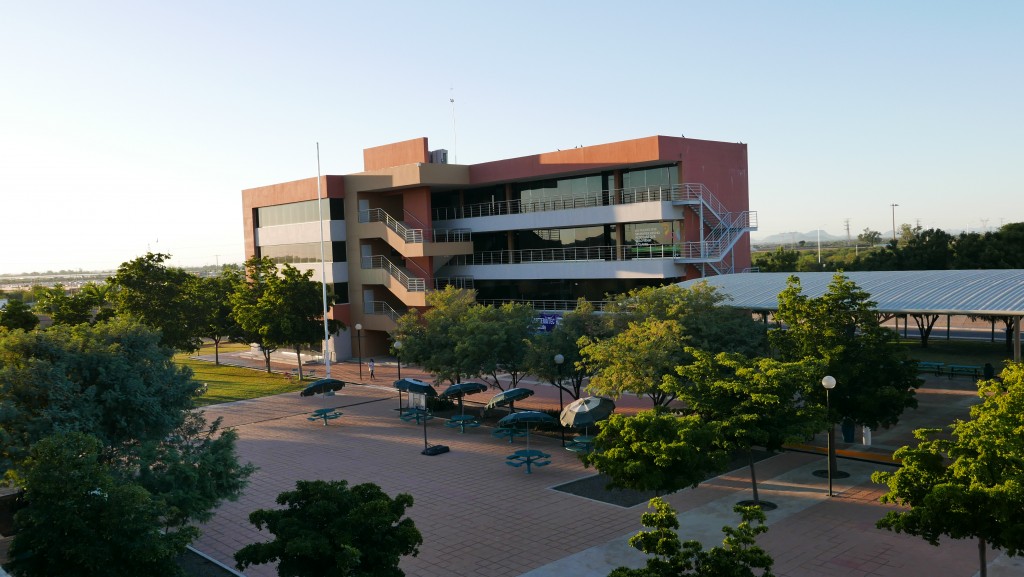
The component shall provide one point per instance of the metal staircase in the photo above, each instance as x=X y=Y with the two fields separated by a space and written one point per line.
x=397 y=273
x=720 y=229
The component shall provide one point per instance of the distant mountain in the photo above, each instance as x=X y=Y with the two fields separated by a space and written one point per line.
x=795 y=237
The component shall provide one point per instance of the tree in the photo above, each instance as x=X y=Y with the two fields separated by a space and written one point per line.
x=161 y=297
x=565 y=340
x=968 y=483
x=115 y=382
x=330 y=530
x=739 y=555
x=755 y=402
x=83 y=519
x=876 y=380
x=638 y=360
x=495 y=340
x=294 y=310
x=870 y=237
x=252 y=310
x=219 y=322
x=656 y=451
x=17 y=315
x=64 y=308
x=780 y=260
x=99 y=295
x=430 y=338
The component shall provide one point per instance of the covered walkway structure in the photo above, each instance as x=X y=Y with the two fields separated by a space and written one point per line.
x=923 y=295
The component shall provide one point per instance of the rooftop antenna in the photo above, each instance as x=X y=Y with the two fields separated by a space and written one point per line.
x=455 y=139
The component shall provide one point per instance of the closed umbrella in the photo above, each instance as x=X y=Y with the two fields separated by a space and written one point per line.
x=509 y=397
x=526 y=419
x=586 y=411
x=459 y=390
x=327 y=386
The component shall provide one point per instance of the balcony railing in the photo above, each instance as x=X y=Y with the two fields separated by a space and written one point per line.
x=544 y=305
x=411 y=284
x=414 y=235
x=583 y=253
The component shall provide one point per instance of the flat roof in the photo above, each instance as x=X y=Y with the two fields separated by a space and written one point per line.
x=954 y=292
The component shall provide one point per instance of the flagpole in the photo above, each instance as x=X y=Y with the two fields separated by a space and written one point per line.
x=323 y=266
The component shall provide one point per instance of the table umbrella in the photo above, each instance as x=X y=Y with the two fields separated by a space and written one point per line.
x=417 y=386
x=526 y=418
x=459 y=390
x=327 y=386
x=421 y=388
x=509 y=397
x=586 y=411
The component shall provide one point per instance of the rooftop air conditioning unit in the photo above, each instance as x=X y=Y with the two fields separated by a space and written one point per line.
x=439 y=156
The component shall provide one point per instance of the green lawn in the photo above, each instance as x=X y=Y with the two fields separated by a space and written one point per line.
x=225 y=384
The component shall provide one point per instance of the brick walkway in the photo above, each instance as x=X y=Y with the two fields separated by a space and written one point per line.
x=480 y=517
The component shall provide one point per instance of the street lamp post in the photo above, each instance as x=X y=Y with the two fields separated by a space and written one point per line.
x=359 y=345
x=559 y=359
x=398 y=357
x=829 y=382
x=893 y=206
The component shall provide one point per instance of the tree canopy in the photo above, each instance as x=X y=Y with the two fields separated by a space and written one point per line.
x=328 y=529
x=876 y=379
x=17 y=315
x=739 y=555
x=968 y=483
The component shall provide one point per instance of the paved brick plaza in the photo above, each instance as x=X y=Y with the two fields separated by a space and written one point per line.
x=480 y=517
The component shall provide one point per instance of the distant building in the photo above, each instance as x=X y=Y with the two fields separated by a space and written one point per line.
x=547 y=228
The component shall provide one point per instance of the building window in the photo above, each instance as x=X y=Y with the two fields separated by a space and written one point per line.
x=296 y=212
x=302 y=252
x=651 y=177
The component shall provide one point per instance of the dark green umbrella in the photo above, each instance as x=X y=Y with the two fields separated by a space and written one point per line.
x=459 y=390
x=526 y=418
x=509 y=397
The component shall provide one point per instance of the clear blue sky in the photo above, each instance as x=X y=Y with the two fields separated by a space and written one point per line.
x=133 y=126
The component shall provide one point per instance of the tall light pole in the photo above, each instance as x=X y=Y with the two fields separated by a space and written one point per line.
x=359 y=344
x=559 y=359
x=398 y=357
x=829 y=382
x=893 y=206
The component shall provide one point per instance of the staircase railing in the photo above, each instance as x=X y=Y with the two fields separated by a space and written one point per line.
x=412 y=284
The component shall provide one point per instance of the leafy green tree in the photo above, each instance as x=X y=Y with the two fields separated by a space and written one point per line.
x=639 y=360
x=755 y=402
x=968 y=483
x=219 y=322
x=657 y=451
x=876 y=380
x=99 y=296
x=17 y=315
x=253 y=310
x=115 y=382
x=780 y=260
x=330 y=530
x=430 y=338
x=494 y=340
x=84 y=520
x=64 y=308
x=565 y=340
x=295 y=308
x=870 y=237
x=161 y=297
x=739 y=555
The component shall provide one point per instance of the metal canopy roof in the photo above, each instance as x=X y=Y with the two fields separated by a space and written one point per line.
x=954 y=292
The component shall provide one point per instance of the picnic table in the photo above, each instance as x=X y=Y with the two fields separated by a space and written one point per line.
x=581 y=444
x=931 y=367
x=529 y=457
x=461 y=422
x=972 y=370
x=325 y=415
x=508 y=432
x=416 y=414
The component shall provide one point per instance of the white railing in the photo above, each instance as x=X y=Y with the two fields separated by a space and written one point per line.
x=412 y=284
x=413 y=235
x=545 y=305
x=459 y=282
x=382 y=308
x=561 y=254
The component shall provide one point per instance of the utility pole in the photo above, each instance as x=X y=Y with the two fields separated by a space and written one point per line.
x=893 y=206
x=846 y=224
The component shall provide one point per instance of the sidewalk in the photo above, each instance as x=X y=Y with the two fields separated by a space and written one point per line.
x=480 y=517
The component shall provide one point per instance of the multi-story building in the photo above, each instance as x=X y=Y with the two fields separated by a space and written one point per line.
x=548 y=228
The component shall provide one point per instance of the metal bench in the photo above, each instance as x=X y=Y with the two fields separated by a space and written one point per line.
x=930 y=367
x=972 y=370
